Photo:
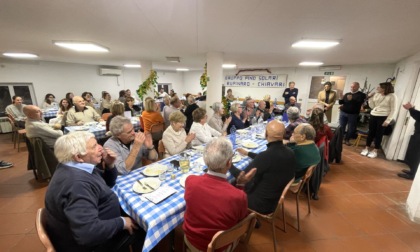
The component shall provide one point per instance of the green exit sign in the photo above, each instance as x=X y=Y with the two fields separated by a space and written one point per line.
x=328 y=73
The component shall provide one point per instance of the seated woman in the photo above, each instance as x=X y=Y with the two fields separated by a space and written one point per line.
x=293 y=114
x=203 y=132
x=64 y=106
x=49 y=102
x=88 y=99
x=216 y=121
x=128 y=105
x=189 y=110
x=237 y=121
x=117 y=109
x=175 y=139
x=317 y=121
x=151 y=114
x=303 y=145
x=106 y=103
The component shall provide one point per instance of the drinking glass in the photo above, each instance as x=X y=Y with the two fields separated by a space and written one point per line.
x=184 y=164
x=162 y=176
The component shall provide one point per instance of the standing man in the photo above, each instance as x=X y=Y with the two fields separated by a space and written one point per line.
x=350 y=106
x=36 y=127
x=327 y=97
x=16 y=111
x=129 y=146
x=289 y=92
x=412 y=157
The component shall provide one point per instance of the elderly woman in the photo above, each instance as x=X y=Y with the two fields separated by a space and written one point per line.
x=151 y=114
x=317 y=121
x=303 y=145
x=216 y=121
x=117 y=108
x=79 y=198
x=175 y=139
x=188 y=112
x=237 y=121
x=203 y=132
x=106 y=103
x=293 y=114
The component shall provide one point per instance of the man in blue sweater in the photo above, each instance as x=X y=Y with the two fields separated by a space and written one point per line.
x=82 y=212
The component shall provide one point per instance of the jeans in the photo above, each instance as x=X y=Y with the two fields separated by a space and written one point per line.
x=349 y=120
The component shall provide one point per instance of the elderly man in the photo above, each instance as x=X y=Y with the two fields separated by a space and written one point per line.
x=350 y=106
x=167 y=110
x=81 y=114
x=228 y=205
x=303 y=145
x=292 y=103
x=275 y=168
x=261 y=114
x=36 y=127
x=16 y=111
x=130 y=146
x=249 y=110
x=82 y=212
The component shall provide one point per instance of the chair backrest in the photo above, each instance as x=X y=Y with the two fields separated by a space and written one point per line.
x=157 y=131
x=141 y=123
x=307 y=176
x=44 y=159
x=161 y=149
x=40 y=223
x=232 y=235
x=281 y=200
x=12 y=123
x=105 y=116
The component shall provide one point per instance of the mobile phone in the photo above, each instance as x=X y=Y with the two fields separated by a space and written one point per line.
x=175 y=163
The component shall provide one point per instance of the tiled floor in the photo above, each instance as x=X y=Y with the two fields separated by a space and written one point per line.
x=360 y=208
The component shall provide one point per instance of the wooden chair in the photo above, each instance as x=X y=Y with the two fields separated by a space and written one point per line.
x=40 y=223
x=17 y=132
x=14 y=130
x=360 y=135
x=298 y=188
x=141 y=123
x=232 y=236
x=157 y=132
x=161 y=149
x=272 y=217
x=105 y=116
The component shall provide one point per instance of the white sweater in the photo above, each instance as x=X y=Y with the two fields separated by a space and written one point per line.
x=384 y=106
x=173 y=141
x=203 y=133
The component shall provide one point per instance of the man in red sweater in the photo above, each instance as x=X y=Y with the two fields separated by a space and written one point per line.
x=212 y=204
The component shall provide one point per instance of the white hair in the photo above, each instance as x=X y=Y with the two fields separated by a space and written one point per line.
x=74 y=143
x=217 y=152
x=117 y=125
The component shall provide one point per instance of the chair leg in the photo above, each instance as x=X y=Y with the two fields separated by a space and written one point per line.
x=273 y=228
x=309 y=198
x=18 y=142
x=15 y=139
x=297 y=211
x=284 y=217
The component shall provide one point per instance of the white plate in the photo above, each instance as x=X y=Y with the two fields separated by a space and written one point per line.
x=81 y=128
x=183 y=178
x=260 y=136
x=250 y=145
x=242 y=131
x=152 y=182
x=154 y=170
x=236 y=158
x=199 y=147
x=91 y=123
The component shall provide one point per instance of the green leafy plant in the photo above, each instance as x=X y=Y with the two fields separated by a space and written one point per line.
x=204 y=78
x=226 y=105
x=149 y=84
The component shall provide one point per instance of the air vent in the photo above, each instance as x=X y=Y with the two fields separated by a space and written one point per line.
x=173 y=59
x=110 y=71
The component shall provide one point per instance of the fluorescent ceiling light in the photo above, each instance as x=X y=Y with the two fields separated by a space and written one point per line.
x=229 y=66
x=132 y=65
x=309 y=63
x=81 y=46
x=183 y=69
x=21 y=55
x=317 y=44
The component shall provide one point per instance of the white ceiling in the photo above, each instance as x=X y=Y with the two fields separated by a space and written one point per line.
x=250 y=33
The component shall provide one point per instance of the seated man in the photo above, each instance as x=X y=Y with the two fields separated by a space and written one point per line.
x=261 y=114
x=82 y=212
x=81 y=114
x=275 y=168
x=303 y=145
x=129 y=146
x=16 y=111
x=228 y=205
x=292 y=103
x=36 y=127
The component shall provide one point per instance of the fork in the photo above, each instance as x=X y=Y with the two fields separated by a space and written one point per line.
x=141 y=184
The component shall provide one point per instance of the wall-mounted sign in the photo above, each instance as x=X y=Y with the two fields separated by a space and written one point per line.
x=256 y=81
x=328 y=73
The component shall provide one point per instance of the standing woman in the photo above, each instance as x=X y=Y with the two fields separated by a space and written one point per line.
x=327 y=97
x=384 y=109
x=106 y=103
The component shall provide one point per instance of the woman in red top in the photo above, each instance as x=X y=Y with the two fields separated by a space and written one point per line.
x=317 y=121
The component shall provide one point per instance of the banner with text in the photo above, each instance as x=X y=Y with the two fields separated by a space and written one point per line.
x=256 y=81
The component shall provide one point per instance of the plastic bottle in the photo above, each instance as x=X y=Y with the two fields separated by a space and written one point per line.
x=232 y=135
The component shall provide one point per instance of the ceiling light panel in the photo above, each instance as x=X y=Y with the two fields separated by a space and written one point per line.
x=315 y=44
x=20 y=55
x=310 y=63
x=229 y=66
x=81 y=46
x=132 y=65
x=183 y=69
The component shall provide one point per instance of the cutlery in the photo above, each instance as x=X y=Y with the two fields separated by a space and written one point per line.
x=141 y=184
x=149 y=186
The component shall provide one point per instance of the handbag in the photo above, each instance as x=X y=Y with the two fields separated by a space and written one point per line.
x=388 y=129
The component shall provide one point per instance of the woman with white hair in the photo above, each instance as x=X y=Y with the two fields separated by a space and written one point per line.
x=293 y=114
x=216 y=121
x=175 y=139
x=79 y=199
x=237 y=120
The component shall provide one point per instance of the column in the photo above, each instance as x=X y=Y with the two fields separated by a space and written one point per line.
x=214 y=85
x=146 y=67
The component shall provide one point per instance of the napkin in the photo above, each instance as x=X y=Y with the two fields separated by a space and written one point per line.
x=160 y=194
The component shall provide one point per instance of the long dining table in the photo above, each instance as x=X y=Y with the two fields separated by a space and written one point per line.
x=160 y=219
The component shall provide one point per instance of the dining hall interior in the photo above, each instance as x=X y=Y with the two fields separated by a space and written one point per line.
x=362 y=203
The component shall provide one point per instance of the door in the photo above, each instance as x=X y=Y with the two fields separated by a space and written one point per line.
x=165 y=86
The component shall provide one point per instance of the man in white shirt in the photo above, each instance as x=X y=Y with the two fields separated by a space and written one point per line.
x=36 y=127
x=162 y=93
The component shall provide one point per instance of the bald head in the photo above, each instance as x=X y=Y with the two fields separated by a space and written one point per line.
x=32 y=112
x=274 y=131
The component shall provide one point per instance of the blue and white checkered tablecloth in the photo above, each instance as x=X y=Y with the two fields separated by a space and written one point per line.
x=98 y=130
x=160 y=219
x=50 y=113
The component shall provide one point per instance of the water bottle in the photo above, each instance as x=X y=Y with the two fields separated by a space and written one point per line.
x=232 y=135
x=275 y=102
x=284 y=118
